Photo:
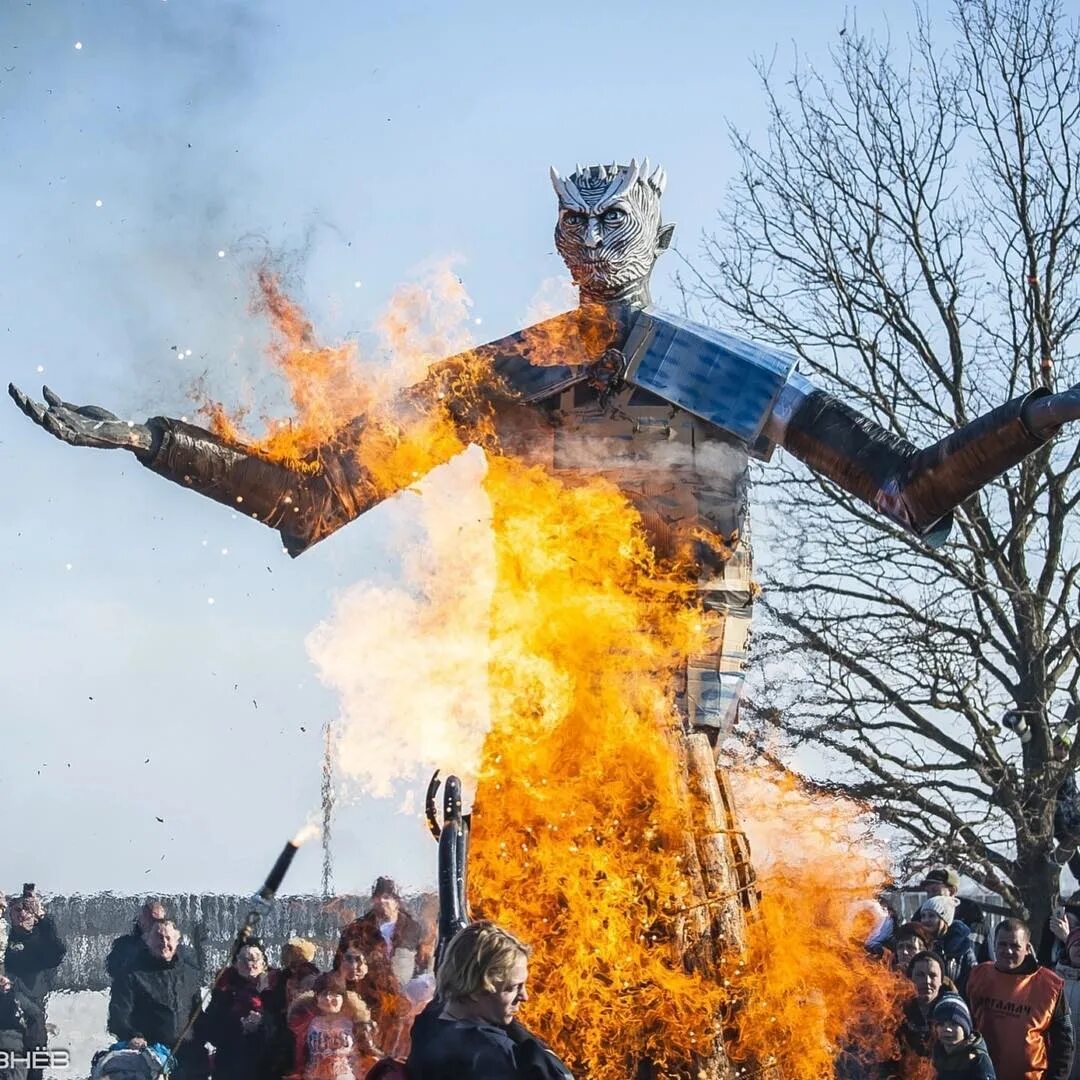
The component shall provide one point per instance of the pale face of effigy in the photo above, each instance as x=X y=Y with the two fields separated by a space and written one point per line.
x=609 y=232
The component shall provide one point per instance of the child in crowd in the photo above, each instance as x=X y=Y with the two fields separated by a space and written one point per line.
x=959 y=1051
x=332 y=1028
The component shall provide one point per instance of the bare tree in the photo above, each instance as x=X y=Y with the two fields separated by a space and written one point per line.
x=911 y=229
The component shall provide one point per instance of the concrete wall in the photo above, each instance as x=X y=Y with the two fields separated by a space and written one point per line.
x=209 y=924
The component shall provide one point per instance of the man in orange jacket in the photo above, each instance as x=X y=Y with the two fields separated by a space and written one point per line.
x=1020 y=1010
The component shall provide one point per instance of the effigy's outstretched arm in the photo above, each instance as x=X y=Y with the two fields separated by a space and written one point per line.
x=755 y=394
x=304 y=506
x=917 y=488
x=308 y=501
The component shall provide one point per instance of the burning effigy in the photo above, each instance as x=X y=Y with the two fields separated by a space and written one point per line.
x=613 y=631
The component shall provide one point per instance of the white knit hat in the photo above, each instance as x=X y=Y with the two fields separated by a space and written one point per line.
x=944 y=907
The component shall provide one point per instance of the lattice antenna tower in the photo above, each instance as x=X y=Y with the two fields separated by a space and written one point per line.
x=327 y=809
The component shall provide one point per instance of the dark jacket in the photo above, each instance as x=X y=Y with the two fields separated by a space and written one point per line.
x=259 y=1054
x=22 y=1028
x=33 y=955
x=957 y=948
x=969 y=1061
x=123 y=952
x=475 y=1050
x=154 y=999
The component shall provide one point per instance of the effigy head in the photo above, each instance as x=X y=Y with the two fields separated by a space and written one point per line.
x=609 y=232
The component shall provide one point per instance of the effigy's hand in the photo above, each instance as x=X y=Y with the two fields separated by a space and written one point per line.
x=83 y=425
x=1045 y=415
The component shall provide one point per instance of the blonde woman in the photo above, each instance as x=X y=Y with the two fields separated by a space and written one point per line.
x=470 y=1030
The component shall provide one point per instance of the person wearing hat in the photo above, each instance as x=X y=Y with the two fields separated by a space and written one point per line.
x=945 y=881
x=952 y=937
x=399 y=951
x=298 y=967
x=1069 y=970
x=959 y=1050
x=1020 y=1009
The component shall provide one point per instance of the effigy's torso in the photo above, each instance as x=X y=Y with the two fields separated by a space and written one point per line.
x=688 y=481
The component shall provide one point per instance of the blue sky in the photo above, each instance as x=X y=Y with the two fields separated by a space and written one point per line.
x=358 y=142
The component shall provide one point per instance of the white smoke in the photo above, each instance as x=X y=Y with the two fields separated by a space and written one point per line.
x=409 y=663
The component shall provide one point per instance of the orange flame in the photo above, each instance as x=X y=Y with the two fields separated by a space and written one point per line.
x=567 y=630
x=808 y=988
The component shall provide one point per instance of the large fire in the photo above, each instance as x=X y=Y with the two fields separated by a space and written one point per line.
x=565 y=632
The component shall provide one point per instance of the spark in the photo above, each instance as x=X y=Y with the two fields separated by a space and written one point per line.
x=478 y=321
x=40 y=368
x=209 y=599
x=224 y=551
x=99 y=203
x=357 y=284
x=67 y=566
x=187 y=352
x=78 y=44
x=221 y=254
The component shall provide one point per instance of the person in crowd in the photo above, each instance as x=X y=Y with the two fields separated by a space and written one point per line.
x=945 y=881
x=298 y=967
x=1069 y=970
x=34 y=952
x=1064 y=918
x=126 y=947
x=396 y=946
x=333 y=1032
x=959 y=1051
x=351 y=964
x=1066 y=813
x=915 y=1035
x=245 y=1019
x=155 y=998
x=398 y=952
x=882 y=940
x=469 y=1031
x=19 y=1019
x=910 y=939
x=952 y=937
x=1021 y=1010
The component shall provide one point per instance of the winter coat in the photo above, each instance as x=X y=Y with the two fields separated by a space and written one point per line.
x=22 y=1028
x=310 y=1059
x=408 y=937
x=154 y=999
x=444 y=1049
x=123 y=952
x=298 y=979
x=260 y=1053
x=957 y=948
x=968 y=1061
x=33 y=955
x=1025 y=1020
x=1071 y=993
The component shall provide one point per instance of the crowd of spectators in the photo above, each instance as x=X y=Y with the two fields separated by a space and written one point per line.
x=981 y=1007
x=376 y=1014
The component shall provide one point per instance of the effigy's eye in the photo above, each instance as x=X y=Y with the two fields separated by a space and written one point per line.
x=573 y=219
x=614 y=217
